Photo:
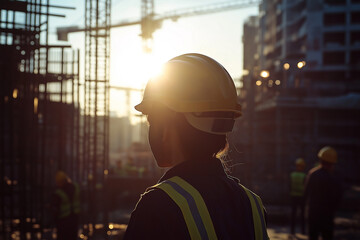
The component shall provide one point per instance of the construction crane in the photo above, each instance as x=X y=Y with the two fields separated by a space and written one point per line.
x=150 y=21
x=127 y=90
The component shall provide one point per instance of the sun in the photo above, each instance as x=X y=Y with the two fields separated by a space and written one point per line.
x=130 y=67
x=151 y=66
x=134 y=70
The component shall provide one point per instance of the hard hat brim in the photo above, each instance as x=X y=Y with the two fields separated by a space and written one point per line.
x=140 y=107
x=145 y=105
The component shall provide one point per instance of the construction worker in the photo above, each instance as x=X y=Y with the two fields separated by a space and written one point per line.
x=297 y=187
x=66 y=207
x=190 y=107
x=323 y=194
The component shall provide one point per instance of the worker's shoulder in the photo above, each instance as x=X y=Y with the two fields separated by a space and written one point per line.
x=314 y=171
x=243 y=193
x=153 y=200
x=236 y=183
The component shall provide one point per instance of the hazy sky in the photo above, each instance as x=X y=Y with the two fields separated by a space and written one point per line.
x=217 y=35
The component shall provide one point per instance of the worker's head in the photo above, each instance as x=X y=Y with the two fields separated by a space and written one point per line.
x=328 y=157
x=190 y=106
x=300 y=164
x=61 y=178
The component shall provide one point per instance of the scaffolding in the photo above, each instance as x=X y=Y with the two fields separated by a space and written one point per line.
x=96 y=106
x=40 y=121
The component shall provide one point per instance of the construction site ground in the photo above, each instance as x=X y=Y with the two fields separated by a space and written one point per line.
x=347 y=225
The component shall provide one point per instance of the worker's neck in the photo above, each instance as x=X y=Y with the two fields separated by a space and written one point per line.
x=178 y=155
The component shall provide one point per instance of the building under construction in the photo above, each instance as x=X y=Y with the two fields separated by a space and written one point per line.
x=301 y=90
x=50 y=119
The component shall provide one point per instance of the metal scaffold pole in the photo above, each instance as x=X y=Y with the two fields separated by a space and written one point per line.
x=96 y=106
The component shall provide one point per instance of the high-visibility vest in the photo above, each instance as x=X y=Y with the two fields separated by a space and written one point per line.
x=68 y=206
x=297 y=183
x=196 y=214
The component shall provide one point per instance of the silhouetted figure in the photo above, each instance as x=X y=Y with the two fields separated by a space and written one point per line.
x=190 y=108
x=323 y=194
x=297 y=186
x=66 y=207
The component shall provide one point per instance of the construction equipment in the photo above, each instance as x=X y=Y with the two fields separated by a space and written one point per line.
x=150 y=21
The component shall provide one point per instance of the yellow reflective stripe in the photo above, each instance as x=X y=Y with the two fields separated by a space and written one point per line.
x=262 y=217
x=258 y=215
x=204 y=213
x=184 y=207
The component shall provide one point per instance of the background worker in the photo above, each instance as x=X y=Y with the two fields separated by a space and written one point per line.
x=191 y=107
x=66 y=207
x=297 y=187
x=323 y=194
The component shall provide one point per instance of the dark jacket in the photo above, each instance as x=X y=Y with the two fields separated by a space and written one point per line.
x=322 y=192
x=156 y=216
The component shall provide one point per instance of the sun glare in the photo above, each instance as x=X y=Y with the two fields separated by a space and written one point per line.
x=132 y=68
x=152 y=66
x=137 y=70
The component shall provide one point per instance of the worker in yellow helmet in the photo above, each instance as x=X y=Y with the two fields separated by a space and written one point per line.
x=323 y=194
x=66 y=207
x=297 y=187
x=190 y=107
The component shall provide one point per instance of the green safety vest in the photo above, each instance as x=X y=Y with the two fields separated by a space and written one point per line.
x=297 y=184
x=66 y=206
x=196 y=214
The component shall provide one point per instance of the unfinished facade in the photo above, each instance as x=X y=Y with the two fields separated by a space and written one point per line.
x=50 y=119
x=311 y=95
